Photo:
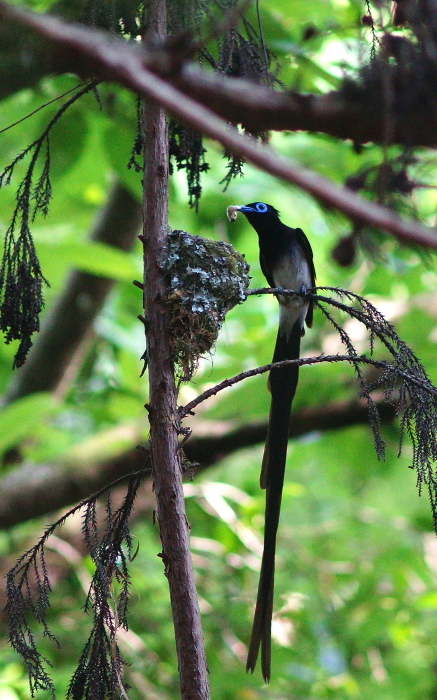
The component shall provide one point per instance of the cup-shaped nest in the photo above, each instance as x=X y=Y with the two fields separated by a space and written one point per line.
x=205 y=280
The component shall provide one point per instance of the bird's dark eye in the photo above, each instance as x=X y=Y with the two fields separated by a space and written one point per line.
x=261 y=207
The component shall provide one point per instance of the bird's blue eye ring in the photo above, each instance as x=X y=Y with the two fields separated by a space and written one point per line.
x=261 y=207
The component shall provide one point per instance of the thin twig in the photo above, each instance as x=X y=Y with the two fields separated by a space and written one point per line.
x=58 y=523
x=65 y=334
x=38 y=109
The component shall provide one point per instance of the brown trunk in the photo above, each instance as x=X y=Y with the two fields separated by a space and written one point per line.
x=166 y=463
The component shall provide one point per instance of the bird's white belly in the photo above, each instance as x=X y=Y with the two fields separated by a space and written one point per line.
x=292 y=273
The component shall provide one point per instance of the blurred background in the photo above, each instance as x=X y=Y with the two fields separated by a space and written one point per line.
x=355 y=612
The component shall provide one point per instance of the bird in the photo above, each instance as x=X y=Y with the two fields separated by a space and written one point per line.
x=286 y=260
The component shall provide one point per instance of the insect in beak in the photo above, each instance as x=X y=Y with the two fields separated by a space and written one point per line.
x=232 y=211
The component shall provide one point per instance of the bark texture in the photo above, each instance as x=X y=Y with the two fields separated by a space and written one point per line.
x=165 y=453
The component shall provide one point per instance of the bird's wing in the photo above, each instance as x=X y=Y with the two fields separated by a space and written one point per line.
x=306 y=246
x=265 y=268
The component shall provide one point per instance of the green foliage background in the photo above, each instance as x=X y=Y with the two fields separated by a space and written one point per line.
x=356 y=600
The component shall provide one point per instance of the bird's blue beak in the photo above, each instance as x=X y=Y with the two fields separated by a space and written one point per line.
x=233 y=210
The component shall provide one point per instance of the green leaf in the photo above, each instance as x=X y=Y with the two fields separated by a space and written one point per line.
x=22 y=417
x=119 y=140
x=67 y=139
x=427 y=601
x=96 y=258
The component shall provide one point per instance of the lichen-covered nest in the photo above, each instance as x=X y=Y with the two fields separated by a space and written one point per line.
x=206 y=279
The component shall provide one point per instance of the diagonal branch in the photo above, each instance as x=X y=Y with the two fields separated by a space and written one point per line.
x=114 y=59
x=358 y=115
x=51 y=486
x=26 y=59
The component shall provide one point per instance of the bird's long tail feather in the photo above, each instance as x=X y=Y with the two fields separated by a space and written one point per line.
x=283 y=384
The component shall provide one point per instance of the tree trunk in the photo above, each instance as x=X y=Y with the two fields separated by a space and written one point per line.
x=165 y=455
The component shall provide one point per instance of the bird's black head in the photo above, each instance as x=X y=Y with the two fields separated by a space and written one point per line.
x=261 y=216
x=253 y=212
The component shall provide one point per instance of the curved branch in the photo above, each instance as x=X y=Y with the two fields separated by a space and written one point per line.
x=301 y=362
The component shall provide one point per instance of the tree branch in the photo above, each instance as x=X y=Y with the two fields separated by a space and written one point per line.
x=25 y=58
x=301 y=362
x=114 y=59
x=50 y=487
x=344 y=114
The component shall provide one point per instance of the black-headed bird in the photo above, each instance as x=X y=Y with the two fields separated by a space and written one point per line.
x=287 y=262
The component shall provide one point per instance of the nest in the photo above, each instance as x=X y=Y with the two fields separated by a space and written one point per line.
x=206 y=279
